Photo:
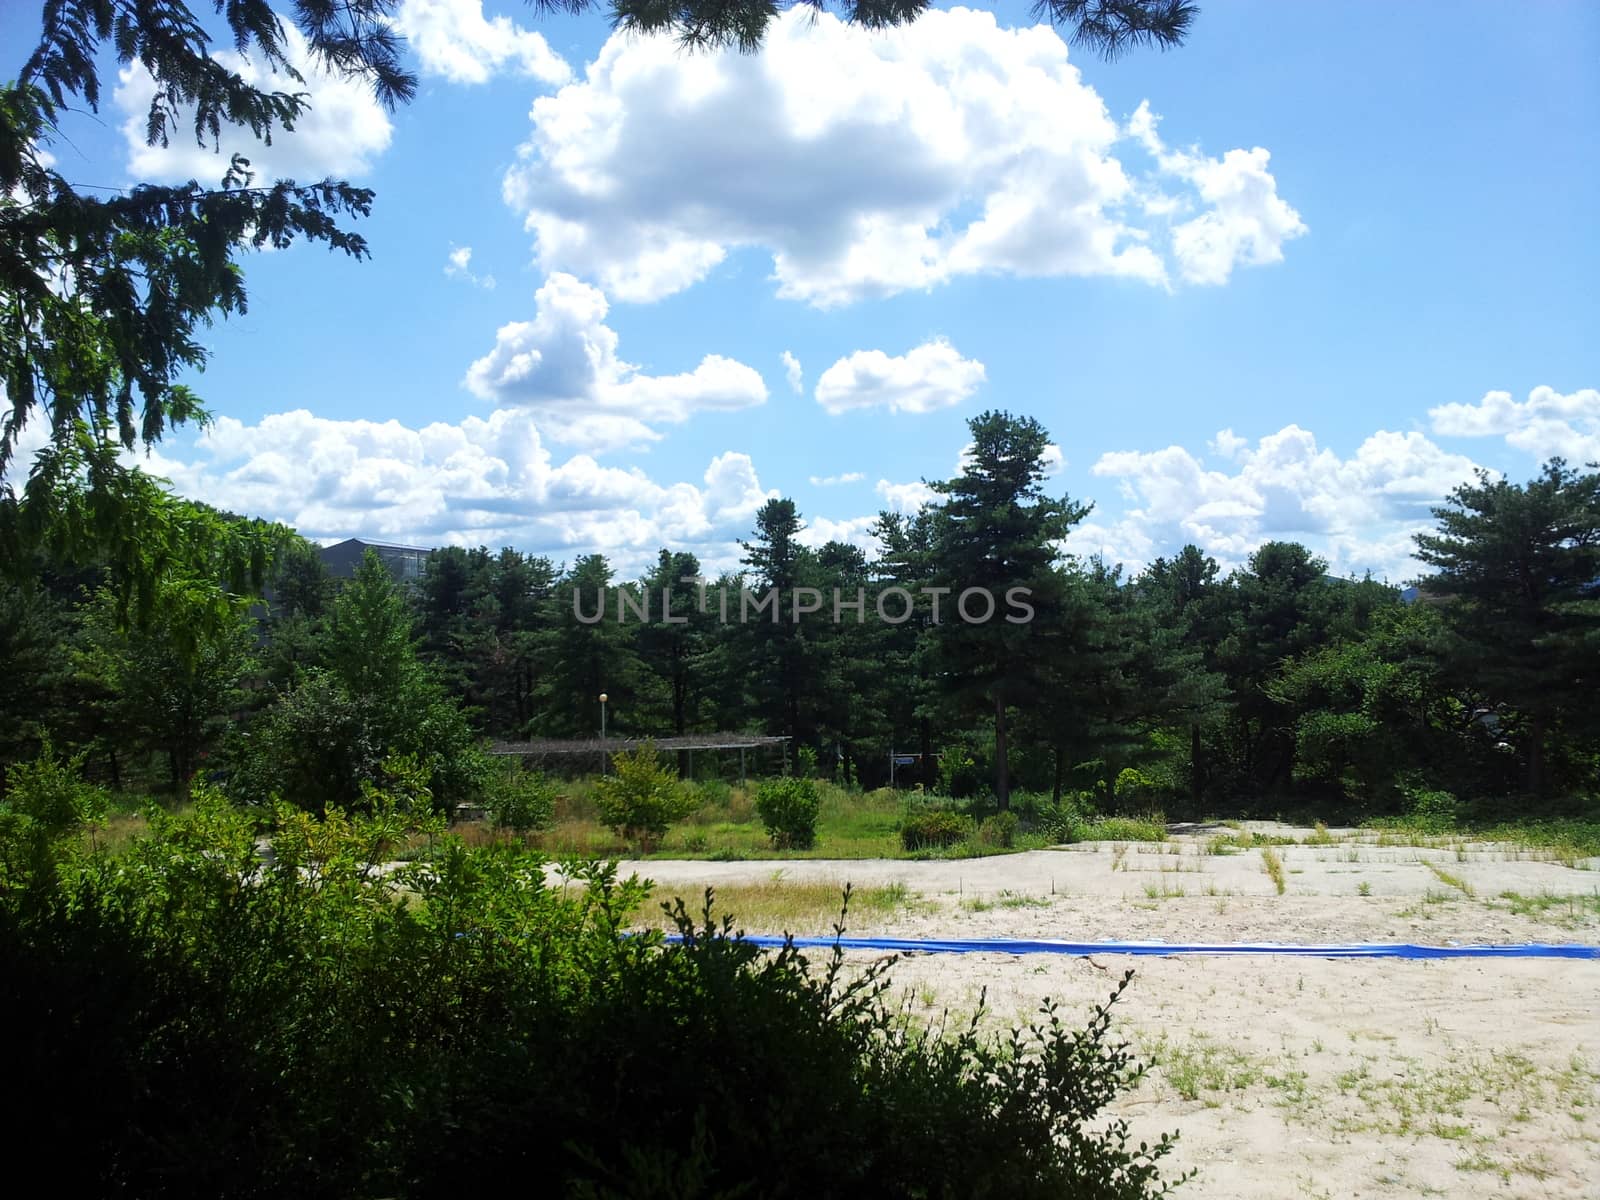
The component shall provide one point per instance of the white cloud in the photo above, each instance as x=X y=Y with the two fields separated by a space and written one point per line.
x=869 y=163
x=459 y=266
x=1053 y=460
x=342 y=133
x=563 y=367
x=1546 y=425
x=1358 y=511
x=905 y=497
x=793 y=373
x=487 y=480
x=836 y=480
x=930 y=377
x=452 y=38
x=853 y=531
x=1244 y=220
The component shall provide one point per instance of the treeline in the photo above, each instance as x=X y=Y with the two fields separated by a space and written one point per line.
x=1179 y=685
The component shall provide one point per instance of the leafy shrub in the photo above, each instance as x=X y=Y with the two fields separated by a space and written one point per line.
x=1430 y=810
x=521 y=800
x=788 y=808
x=1151 y=828
x=805 y=762
x=999 y=830
x=642 y=797
x=48 y=796
x=447 y=1030
x=958 y=773
x=931 y=828
x=1067 y=821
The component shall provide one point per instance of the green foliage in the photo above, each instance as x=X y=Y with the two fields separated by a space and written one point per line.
x=999 y=830
x=1127 y=829
x=48 y=797
x=520 y=800
x=368 y=698
x=313 y=1025
x=958 y=773
x=934 y=828
x=788 y=807
x=642 y=797
x=805 y=762
x=1430 y=810
x=1521 y=563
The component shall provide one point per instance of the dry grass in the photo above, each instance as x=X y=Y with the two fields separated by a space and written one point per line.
x=778 y=905
x=1272 y=864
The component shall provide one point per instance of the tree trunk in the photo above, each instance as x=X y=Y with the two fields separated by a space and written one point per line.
x=930 y=767
x=1196 y=777
x=1536 y=756
x=1002 y=782
x=1055 y=791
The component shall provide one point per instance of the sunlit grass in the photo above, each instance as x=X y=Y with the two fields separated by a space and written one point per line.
x=778 y=905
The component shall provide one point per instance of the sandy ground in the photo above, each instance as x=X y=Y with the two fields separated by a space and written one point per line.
x=1289 y=1076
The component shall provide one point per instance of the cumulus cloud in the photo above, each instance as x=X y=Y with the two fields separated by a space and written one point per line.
x=487 y=480
x=905 y=497
x=932 y=376
x=1358 y=511
x=868 y=163
x=341 y=135
x=793 y=373
x=459 y=266
x=563 y=367
x=452 y=38
x=1547 y=424
x=836 y=480
x=1242 y=220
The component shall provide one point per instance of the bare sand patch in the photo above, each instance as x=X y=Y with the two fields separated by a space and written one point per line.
x=1284 y=1076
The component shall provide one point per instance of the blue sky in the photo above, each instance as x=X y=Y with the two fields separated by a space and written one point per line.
x=1357 y=238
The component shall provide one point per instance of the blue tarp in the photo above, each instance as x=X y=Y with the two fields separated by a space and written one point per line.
x=1024 y=946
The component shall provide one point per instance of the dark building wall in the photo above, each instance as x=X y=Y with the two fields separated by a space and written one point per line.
x=405 y=563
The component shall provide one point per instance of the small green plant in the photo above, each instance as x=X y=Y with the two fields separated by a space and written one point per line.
x=642 y=797
x=999 y=830
x=520 y=800
x=1272 y=864
x=49 y=795
x=933 y=828
x=1364 y=889
x=1152 y=828
x=805 y=762
x=788 y=807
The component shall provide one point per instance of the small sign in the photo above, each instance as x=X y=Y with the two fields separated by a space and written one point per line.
x=905 y=760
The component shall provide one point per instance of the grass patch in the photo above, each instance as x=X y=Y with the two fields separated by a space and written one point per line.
x=1272 y=864
x=1571 y=911
x=1006 y=899
x=1202 y=1068
x=1126 y=829
x=1455 y=881
x=778 y=905
x=725 y=827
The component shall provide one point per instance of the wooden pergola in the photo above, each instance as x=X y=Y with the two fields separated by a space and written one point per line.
x=602 y=748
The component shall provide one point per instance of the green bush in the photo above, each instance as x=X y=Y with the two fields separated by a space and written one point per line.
x=958 y=773
x=933 y=828
x=1150 y=828
x=788 y=807
x=520 y=800
x=642 y=797
x=999 y=830
x=48 y=795
x=1430 y=810
x=333 y=1030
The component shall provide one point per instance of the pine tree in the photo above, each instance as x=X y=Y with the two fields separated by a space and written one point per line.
x=995 y=530
x=1520 y=567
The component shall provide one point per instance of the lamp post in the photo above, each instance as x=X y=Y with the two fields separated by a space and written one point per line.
x=604 y=767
